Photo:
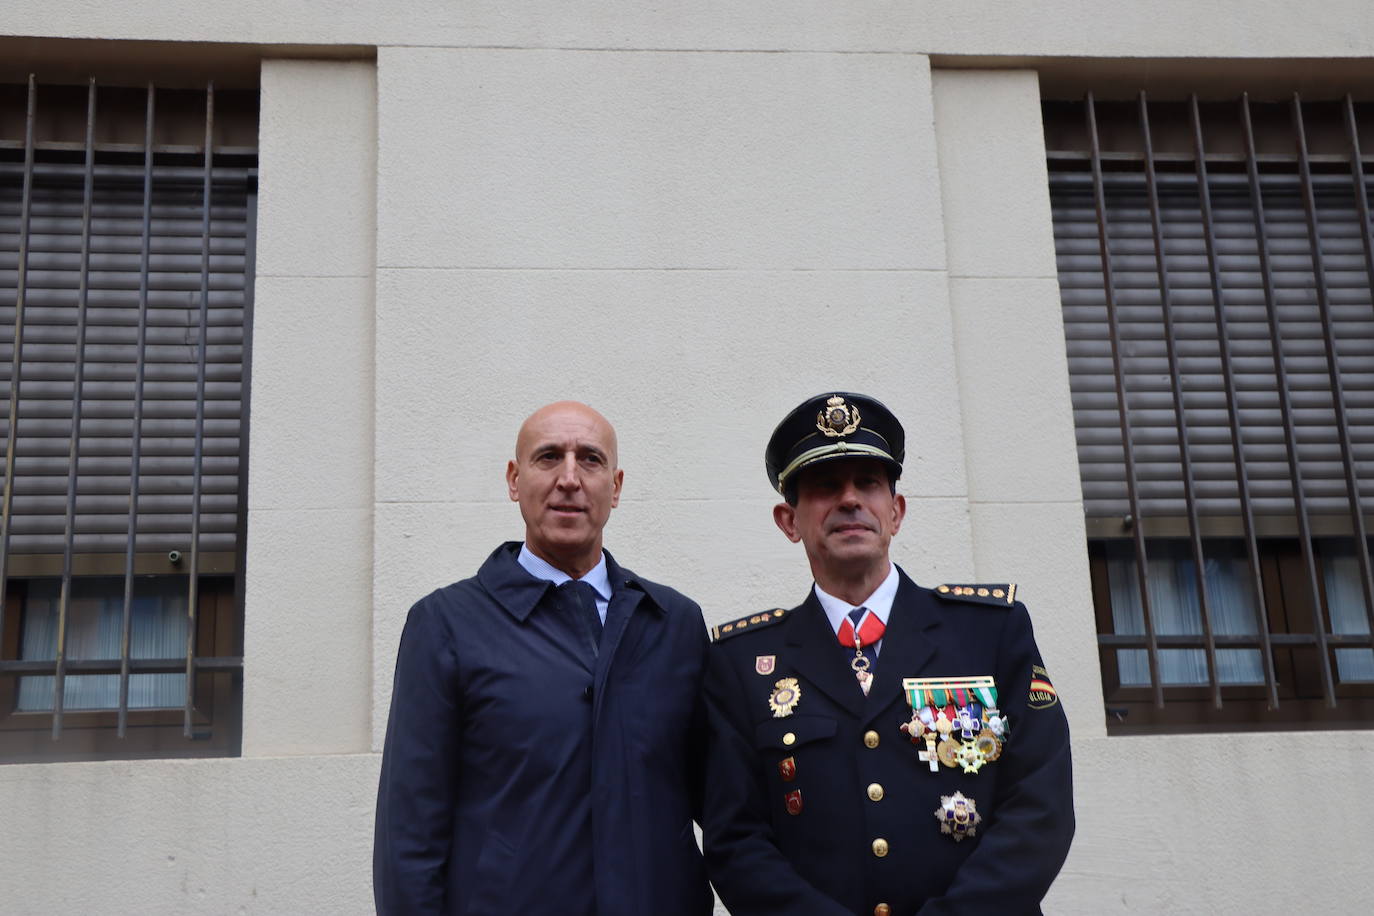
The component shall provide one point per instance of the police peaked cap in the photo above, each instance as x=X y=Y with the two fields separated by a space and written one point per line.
x=830 y=426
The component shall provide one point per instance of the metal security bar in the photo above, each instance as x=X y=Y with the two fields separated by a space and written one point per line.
x=154 y=434
x=1212 y=398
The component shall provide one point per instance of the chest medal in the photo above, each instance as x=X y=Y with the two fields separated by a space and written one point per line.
x=783 y=699
x=957 y=721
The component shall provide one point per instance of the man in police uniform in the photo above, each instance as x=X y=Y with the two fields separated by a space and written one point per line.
x=882 y=747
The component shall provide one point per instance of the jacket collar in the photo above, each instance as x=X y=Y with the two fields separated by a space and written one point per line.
x=518 y=592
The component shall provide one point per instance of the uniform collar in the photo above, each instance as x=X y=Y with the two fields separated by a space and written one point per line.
x=880 y=602
x=598 y=578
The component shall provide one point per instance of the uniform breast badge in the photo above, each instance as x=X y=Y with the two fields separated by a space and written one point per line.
x=958 y=816
x=764 y=664
x=960 y=713
x=784 y=697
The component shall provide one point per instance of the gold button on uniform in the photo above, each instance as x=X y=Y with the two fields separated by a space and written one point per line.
x=880 y=847
x=870 y=739
x=875 y=792
x=882 y=909
x=789 y=739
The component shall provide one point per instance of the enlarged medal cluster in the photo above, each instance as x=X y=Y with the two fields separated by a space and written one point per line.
x=957 y=720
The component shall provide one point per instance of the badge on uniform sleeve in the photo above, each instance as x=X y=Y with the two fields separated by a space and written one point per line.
x=784 y=697
x=1042 y=695
x=764 y=664
x=958 y=816
x=794 y=804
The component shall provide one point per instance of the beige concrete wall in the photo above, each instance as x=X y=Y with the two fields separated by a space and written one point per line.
x=1012 y=369
x=247 y=837
x=308 y=606
x=1076 y=28
x=681 y=240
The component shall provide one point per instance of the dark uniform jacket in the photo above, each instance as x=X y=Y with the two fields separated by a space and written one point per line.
x=519 y=777
x=862 y=832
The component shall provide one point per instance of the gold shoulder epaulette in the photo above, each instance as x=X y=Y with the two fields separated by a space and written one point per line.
x=1000 y=594
x=745 y=624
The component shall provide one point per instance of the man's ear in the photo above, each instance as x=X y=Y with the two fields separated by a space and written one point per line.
x=785 y=517
x=898 y=512
x=619 y=479
x=513 y=481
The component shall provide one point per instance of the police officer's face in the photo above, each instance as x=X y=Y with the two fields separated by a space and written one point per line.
x=846 y=515
x=565 y=478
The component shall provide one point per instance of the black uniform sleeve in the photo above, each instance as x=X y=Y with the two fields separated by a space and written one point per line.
x=750 y=873
x=415 y=802
x=1026 y=839
x=697 y=734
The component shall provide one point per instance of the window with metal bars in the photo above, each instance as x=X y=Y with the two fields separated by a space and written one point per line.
x=1216 y=262
x=126 y=260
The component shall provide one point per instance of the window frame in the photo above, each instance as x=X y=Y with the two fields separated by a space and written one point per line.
x=210 y=723
x=1297 y=635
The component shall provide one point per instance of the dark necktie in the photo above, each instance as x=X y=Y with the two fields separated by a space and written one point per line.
x=580 y=598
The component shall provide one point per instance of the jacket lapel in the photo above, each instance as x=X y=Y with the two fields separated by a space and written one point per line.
x=620 y=620
x=816 y=655
x=913 y=630
x=625 y=628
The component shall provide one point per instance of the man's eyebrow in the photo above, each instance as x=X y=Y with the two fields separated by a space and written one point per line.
x=541 y=447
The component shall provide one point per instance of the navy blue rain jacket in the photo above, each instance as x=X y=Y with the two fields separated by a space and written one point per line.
x=521 y=777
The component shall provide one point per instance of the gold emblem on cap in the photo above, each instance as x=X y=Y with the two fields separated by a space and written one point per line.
x=784 y=697
x=838 y=418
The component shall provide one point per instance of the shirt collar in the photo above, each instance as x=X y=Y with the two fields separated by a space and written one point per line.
x=597 y=578
x=880 y=602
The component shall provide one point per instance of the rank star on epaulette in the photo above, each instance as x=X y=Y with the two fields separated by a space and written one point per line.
x=1000 y=594
x=744 y=624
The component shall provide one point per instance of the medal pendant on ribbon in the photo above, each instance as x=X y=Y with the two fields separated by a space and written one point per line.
x=948 y=753
x=970 y=757
x=930 y=754
x=860 y=665
x=922 y=734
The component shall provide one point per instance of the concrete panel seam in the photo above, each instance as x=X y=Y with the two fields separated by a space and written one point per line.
x=260 y=275
x=592 y=49
x=667 y=269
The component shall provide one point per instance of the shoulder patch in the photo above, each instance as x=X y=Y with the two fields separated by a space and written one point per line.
x=998 y=594
x=745 y=624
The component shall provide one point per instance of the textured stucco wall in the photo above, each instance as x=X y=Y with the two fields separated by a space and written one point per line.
x=691 y=243
x=445 y=236
x=1079 y=28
